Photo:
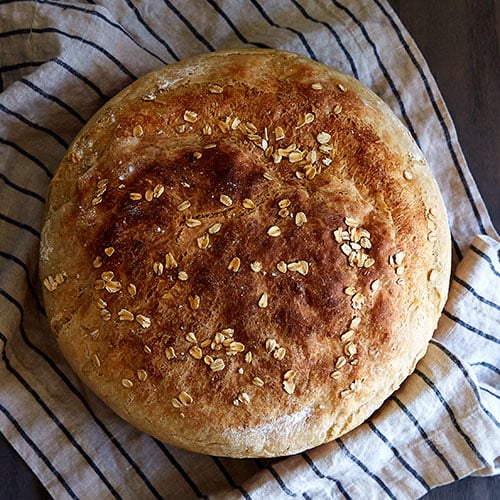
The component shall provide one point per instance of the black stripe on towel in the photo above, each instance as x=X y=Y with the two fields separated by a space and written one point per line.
x=475 y=294
x=73 y=389
x=81 y=77
x=233 y=27
x=456 y=247
x=20 y=225
x=190 y=26
x=487 y=365
x=15 y=67
x=487 y=390
x=269 y=21
x=333 y=33
x=150 y=30
x=31 y=124
x=365 y=469
x=453 y=419
x=112 y=58
x=24 y=267
x=487 y=258
x=22 y=65
x=54 y=419
x=315 y=469
x=179 y=468
x=425 y=437
x=396 y=453
x=472 y=385
x=382 y=67
x=96 y=13
x=471 y=328
x=280 y=481
x=229 y=479
x=21 y=189
x=54 y=99
x=38 y=452
x=392 y=86
x=438 y=114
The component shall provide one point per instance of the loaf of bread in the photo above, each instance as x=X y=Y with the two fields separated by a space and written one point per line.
x=244 y=253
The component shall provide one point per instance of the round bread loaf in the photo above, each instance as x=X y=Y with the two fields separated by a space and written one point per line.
x=244 y=253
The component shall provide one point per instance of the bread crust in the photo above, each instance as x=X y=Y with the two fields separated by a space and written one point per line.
x=211 y=238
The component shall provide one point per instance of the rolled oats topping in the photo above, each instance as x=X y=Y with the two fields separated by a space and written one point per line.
x=250 y=247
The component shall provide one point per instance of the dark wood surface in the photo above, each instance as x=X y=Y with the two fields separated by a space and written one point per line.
x=460 y=42
x=459 y=39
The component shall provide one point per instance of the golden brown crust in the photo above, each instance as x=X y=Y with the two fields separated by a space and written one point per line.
x=212 y=237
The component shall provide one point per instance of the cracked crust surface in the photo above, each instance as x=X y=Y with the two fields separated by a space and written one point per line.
x=244 y=253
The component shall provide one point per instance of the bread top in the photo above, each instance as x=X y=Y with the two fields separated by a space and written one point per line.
x=244 y=253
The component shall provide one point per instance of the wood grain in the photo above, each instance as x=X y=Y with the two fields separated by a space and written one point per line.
x=459 y=40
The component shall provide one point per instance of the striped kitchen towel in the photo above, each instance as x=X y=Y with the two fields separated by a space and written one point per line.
x=59 y=62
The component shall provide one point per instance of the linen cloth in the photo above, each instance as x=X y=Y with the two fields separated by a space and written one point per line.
x=59 y=62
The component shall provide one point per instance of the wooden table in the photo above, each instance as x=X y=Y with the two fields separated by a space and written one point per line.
x=459 y=39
